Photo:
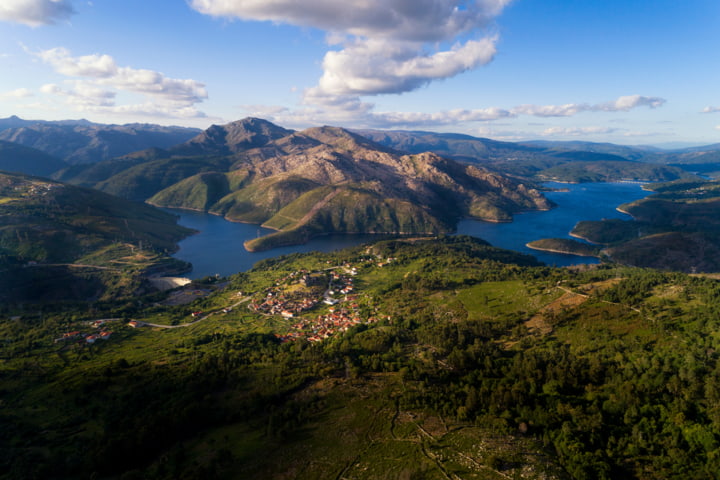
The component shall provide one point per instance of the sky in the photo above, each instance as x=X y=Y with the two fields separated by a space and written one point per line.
x=623 y=71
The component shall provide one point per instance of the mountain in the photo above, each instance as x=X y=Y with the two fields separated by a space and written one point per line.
x=231 y=138
x=53 y=234
x=453 y=145
x=540 y=160
x=639 y=153
x=13 y=122
x=317 y=181
x=84 y=142
x=20 y=159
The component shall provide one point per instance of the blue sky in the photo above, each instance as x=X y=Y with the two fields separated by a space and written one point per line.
x=631 y=72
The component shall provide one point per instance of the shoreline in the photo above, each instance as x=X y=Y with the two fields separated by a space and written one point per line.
x=561 y=252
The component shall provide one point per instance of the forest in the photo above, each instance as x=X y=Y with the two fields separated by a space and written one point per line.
x=471 y=362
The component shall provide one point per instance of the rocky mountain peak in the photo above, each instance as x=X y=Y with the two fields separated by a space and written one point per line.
x=232 y=137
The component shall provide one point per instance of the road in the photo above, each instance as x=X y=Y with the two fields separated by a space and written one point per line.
x=183 y=325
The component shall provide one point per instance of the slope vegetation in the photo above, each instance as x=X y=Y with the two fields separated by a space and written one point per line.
x=46 y=226
x=17 y=158
x=677 y=228
x=451 y=359
x=254 y=171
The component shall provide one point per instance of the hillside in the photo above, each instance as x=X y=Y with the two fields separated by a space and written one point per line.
x=50 y=230
x=85 y=142
x=16 y=158
x=676 y=228
x=542 y=160
x=303 y=184
x=331 y=180
x=448 y=359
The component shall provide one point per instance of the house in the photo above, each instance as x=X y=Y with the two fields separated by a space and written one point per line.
x=133 y=324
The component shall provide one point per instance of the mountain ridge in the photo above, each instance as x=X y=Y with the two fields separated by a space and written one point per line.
x=252 y=170
x=81 y=141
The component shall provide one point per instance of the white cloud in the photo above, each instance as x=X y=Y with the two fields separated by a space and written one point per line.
x=627 y=103
x=385 y=46
x=35 y=12
x=96 y=66
x=710 y=109
x=448 y=117
x=17 y=93
x=82 y=95
x=577 y=131
x=371 y=67
x=621 y=104
x=350 y=110
x=97 y=79
x=414 y=20
x=149 y=109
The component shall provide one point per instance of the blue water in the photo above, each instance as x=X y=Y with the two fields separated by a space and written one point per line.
x=218 y=248
x=585 y=201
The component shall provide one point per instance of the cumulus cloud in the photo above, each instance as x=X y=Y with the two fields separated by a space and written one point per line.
x=416 y=20
x=710 y=109
x=82 y=95
x=97 y=79
x=17 y=93
x=35 y=12
x=97 y=66
x=372 y=67
x=384 y=46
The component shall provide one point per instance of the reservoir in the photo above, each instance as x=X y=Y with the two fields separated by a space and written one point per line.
x=583 y=201
x=218 y=248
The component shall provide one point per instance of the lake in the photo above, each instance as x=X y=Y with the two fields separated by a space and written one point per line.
x=218 y=248
x=584 y=201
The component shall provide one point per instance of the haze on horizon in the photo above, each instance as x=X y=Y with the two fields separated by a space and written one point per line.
x=615 y=71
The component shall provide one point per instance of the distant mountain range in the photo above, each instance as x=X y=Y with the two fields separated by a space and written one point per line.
x=84 y=142
x=81 y=141
x=561 y=161
x=328 y=179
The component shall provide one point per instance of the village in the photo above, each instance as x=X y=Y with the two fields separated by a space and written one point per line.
x=288 y=297
x=301 y=291
x=103 y=333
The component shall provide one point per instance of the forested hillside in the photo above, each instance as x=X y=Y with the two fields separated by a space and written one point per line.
x=60 y=242
x=440 y=358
